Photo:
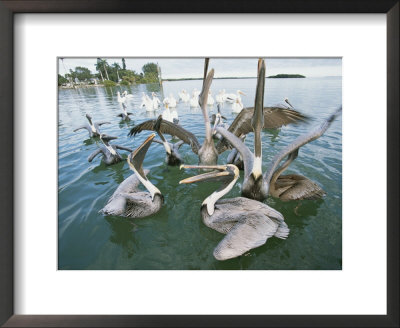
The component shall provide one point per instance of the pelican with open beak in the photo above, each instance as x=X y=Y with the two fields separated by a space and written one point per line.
x=128 y=200
x=247 y=223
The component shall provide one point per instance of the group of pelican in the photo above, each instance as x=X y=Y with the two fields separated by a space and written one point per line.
x=245 y=221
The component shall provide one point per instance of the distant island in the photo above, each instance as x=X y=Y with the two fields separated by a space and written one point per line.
x=286 y=76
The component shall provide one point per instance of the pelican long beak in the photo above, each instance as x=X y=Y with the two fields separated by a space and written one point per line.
x=205 y=176
x=220 y=171
x=135 y=159
x=242 y=93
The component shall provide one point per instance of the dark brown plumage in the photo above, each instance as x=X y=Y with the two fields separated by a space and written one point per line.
x=274 y=117
x=170 y=128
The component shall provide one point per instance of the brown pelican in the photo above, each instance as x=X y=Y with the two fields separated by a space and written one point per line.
x=293 y=186
x=235 y=158
x=162 y=126
x=173 y=157
x=247 y=223
x=92 y=127
x=255 y=185
x=110 y=153
x=128 y=200
x=124 y=115
x=274 y=117
x=206 y=152
x=217 y=120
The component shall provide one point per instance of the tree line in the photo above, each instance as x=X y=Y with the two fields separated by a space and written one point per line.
x=110 y=75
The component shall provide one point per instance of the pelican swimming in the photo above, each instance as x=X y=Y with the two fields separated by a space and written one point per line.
x=172 y=150
x=196 y=92
x=217 y=120
x=170 y=100
x=156 y=101
x=170 y=115
x=210 y=99
x=232 y=97
x=127 y=95
x=247 y=223
x=109 y=152
x=237 y=106
x=220 y=97
x=206 y=152
x=148 y=103
x=120 y=99
x=184 y=96
x=128 y=200
x=194 y=101
x=92 y=127
x=294 y=186
x=255 y=185
x=125 y=114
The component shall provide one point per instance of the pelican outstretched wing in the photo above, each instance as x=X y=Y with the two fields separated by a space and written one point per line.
x=252 y=231
x=82 y=127
x=124 y=148
x=274 y=117
x=94 y=154
x=299 y=187
x=299 y=142
x=101 y=123
x=170 y=128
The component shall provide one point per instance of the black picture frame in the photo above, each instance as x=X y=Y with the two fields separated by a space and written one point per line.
x=7 y=200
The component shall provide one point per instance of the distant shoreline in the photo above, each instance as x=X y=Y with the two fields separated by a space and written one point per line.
x=278 y=76
x=215 y=78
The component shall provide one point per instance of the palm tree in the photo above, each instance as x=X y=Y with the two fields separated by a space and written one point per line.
x=98 y=67
x=117 y=67
x=102 y=63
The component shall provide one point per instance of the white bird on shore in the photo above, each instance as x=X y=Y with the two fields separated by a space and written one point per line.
x=156 y=101
x=171 y=101
x=231 y=97
x=237 y=106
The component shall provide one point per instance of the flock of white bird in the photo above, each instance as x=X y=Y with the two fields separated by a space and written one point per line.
x=170 y=102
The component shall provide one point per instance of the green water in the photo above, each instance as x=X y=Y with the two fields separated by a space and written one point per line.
x=175 y=237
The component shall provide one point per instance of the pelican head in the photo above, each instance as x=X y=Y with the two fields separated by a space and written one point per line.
x=226 y=174
x=287 y=101
x=106 y=137
x=89 y=118
x=135 y=161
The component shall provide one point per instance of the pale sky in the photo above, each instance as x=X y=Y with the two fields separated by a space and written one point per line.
x=224 y=67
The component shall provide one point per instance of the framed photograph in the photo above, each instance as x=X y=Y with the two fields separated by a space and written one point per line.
x=199 y=164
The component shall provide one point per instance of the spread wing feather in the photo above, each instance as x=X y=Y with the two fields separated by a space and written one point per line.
x=170 y=128
x=274 y=117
